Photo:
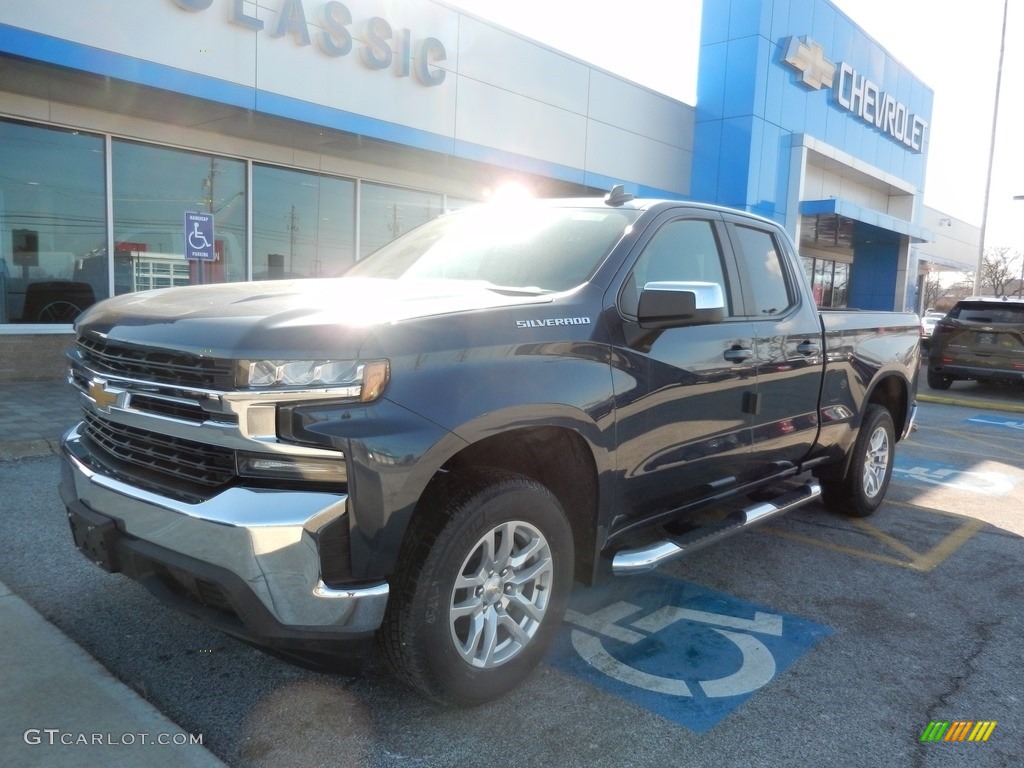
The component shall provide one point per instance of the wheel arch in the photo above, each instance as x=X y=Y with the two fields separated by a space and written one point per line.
x=557 y=457
x=892 y=392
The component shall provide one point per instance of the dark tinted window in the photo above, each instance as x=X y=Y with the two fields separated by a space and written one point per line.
x=769 y=281
x=989 y=312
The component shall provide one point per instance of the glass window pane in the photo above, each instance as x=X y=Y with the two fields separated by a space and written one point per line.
x=303 y=223
x=506 y=248
x=839 y=287
x=823 y=279
x=767 y=271
x=387 y=212
x=685 y=250
x=153 y=188
x=52 y=223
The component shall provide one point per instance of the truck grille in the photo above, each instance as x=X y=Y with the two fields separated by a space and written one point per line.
x=170 y=457
x=177 y=369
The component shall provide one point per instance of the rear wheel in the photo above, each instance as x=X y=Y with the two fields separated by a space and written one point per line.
x=937 y=380
x=483 y=585
x=861 y=491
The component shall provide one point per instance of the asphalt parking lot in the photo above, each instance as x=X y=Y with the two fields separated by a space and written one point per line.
x=814 y=640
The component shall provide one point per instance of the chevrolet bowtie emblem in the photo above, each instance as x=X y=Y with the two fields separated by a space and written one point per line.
x=100 y=395
x=808 y=58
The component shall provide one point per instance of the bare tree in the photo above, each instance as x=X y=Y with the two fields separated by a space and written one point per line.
x=998 y=270
x=961 y=289
x=932 y=291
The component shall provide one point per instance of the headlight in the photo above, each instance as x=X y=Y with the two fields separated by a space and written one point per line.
x=363 y=381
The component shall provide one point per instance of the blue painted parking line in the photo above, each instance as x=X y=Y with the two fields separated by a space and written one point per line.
x=689 y=654
x=922 y=472
x=998 y=421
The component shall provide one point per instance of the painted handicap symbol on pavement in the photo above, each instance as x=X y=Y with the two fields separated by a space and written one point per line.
x=685 y=652
x=983 y=482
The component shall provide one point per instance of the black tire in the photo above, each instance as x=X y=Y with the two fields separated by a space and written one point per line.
x=863 y=488
x=482 y=587
x=937 y=380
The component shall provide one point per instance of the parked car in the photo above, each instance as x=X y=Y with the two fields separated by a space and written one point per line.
x=432 y=448
x=928 y=321
x=980 y=339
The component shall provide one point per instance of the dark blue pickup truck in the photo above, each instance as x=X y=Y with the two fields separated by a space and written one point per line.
x=428 y=451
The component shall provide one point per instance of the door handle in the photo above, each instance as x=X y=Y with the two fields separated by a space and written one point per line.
x=738 y=354
x=809 y=348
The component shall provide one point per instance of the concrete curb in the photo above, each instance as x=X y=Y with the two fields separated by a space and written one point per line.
x=60 y=707
x=971 y=402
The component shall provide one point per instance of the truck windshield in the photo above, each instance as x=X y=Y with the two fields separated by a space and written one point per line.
x=529 y=248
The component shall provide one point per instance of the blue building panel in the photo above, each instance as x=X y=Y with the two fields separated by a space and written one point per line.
x=822 y=28
x=835 y=128
x=776 y=86
x=704 y=175
x=794 y=104
x=780 y=21
x=734 y=161
x=748 y=18
x=752 y=196
x=714 y=62
x=844 y=40
x=714 y=23
x=817 y=112
x=741 y=77
x=767 y=192
x=873 y=279
x=801 y=16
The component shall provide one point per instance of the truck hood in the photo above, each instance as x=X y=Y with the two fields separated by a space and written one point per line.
x=323 y=317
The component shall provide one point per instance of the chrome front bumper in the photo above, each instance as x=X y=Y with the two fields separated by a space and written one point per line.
x=264 y=538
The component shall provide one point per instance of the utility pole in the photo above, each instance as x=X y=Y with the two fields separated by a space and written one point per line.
x=991 y=154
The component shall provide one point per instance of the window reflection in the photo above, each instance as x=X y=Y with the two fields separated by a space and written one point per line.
x=52 y=215
x=829 y=280
x=303 y=224
x=387 y=212
x=153 y=188
x=769 y=283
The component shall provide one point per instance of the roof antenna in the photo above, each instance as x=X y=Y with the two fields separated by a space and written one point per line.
x=618 y=196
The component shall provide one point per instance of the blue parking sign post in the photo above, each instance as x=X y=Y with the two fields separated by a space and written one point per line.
x=199 y=240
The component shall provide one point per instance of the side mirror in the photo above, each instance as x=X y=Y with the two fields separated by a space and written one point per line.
x=674 y=305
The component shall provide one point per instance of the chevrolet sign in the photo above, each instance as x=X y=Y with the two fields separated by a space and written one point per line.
x=854 y=92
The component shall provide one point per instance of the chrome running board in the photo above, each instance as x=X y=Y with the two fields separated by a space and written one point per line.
x=644 y=559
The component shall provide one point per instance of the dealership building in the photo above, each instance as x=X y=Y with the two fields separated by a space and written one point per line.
x=293 y=137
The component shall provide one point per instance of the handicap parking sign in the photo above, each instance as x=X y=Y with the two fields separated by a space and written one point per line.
x=685 y=652
x=199 y=237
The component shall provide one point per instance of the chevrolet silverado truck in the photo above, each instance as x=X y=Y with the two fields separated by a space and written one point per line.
x=424 y=454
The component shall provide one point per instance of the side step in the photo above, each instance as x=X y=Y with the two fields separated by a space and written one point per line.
x=633 y=561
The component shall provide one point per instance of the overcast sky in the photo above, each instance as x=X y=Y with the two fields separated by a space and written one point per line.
x=952 y=47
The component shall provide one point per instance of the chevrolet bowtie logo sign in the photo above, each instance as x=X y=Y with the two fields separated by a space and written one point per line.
x=103 y=397
x=808 y=58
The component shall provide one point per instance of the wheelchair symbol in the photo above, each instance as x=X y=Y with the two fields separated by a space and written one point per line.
x=197 y=240
x=756 y=670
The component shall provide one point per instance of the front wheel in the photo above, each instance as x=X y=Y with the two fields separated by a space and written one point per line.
x=861 y=491
x=482 y=587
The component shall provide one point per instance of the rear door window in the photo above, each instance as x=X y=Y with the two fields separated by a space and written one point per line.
x=771 y=289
